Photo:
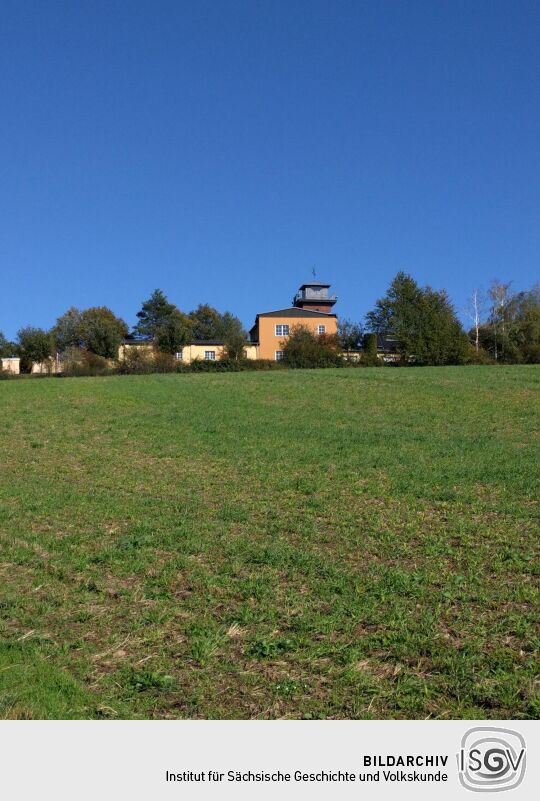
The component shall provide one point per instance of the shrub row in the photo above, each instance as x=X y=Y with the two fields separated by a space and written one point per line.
x=162 y=363
x=140 y=362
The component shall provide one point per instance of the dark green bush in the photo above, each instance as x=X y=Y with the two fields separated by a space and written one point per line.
x=227 y=366
x=263 y=364
x=209 y=366
x=369 y=351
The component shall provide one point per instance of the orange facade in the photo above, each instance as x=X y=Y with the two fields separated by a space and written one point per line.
x=272 y=330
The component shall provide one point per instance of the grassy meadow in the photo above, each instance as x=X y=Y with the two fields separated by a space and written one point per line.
x=315 y=544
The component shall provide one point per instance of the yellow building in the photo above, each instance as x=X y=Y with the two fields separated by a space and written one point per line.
x=311 y=309
x=10 y=364
x=50 y=366
x=210 y=350
x=207 y=350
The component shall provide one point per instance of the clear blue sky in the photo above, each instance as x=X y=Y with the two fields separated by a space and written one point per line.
x=219 y=150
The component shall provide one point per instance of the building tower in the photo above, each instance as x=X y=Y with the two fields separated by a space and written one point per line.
x=314 y=297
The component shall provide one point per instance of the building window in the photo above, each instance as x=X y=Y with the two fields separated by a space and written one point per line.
x=179 y=355
x=322 y=329
x=282 y=330
x=279 y=355
x=210 y=355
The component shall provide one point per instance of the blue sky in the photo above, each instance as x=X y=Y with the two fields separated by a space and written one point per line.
x=220 y=150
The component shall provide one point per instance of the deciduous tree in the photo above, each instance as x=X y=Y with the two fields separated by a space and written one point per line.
x=173 y=333
x=210 y=324
x=67 y=330
x=512 y=332
x=526 y=324
x=500 y=296
x=349 y=335
x=34 y=345
x=6 y=348
x=234 y=336
x=207 y=322
x=102 y=331
x=304 y=348
x=474 y=310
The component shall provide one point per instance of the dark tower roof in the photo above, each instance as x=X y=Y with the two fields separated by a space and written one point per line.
x=314 y=295
x=315 y=284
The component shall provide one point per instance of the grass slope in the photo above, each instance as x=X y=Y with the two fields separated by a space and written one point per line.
x=340 y=543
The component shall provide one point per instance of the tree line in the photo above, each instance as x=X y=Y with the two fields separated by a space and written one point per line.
x=422 y=321
x=98 y=331
x=505 y=325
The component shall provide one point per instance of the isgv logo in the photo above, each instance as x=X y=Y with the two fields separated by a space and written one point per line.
x=491 y=759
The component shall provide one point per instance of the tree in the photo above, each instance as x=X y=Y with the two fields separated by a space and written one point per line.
x=207 y=322
x=67 y=330
x=34 y=345
x=349 y=335
x=525 y=332
x=398 y=313
x=154 y=313
x=511 y=334
x=235 y=345
x=520 y=341
x=6 y=348
x=369 y=347
x=173 y=333
x=500 y=300
x=442 y=339
x=474 y=311
x=102 y=331
x=422 y=320
x=97 y=330
x=233 y=335
x=304 y=348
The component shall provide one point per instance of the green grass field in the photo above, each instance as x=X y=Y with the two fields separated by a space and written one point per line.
x=340 y=543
